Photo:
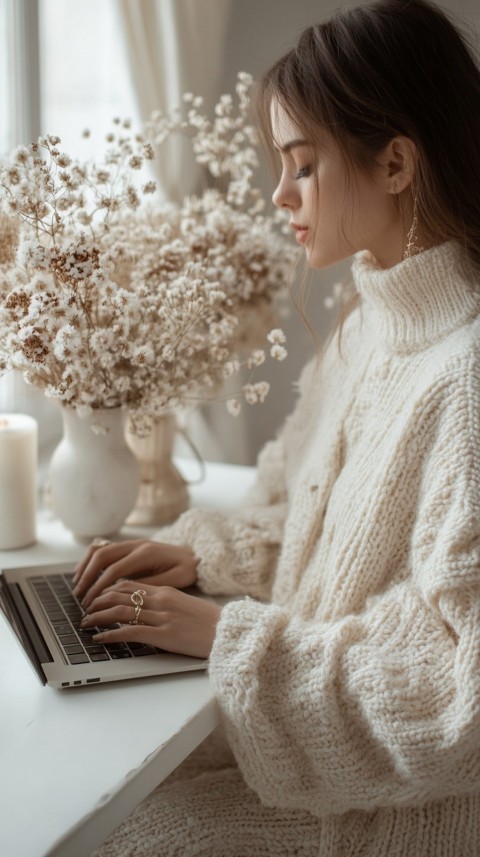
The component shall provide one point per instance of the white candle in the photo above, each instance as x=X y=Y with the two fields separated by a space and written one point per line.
x=18 y=480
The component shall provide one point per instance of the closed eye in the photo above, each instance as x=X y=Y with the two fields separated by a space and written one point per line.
x=303 y=173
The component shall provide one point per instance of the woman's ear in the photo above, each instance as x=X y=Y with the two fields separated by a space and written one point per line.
x=398 y=161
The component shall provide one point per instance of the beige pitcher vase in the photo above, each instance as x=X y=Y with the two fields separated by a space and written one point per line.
x=163 y=493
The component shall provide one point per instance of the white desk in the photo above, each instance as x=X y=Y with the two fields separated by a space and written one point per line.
x=74 y=763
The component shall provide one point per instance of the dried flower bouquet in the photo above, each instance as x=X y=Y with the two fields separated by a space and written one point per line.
x=111 y=298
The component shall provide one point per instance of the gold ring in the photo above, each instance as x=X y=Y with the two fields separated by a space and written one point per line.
x=136 y=620
x=137 y=600
x=137 y=597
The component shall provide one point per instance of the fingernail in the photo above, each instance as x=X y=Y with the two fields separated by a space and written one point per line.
x=97 y=636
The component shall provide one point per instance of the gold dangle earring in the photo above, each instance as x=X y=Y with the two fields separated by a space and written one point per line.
x=412 y=247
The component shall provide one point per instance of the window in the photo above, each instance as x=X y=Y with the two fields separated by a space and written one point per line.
x=85 y=78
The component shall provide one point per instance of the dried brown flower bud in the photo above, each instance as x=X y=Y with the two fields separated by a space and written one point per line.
x=18 y=300
x=8 y=239
x=34 y=348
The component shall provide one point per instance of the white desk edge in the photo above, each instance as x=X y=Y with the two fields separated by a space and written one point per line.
x=47 y=819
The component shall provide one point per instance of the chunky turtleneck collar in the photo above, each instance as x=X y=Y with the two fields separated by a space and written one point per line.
x=420 y=300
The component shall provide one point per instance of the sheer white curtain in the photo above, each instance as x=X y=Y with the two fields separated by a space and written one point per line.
x=177 y=46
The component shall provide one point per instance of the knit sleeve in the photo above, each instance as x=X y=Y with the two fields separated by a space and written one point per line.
x=238 y=552
x=382 y=707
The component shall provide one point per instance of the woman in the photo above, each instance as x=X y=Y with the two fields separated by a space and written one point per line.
x=350 y=680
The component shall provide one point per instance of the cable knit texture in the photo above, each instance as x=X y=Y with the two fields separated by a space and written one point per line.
x=349 y=674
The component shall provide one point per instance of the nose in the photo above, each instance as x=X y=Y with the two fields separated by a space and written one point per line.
x=285 y=195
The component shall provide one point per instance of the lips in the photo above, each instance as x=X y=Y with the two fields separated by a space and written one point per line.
x=301 y=232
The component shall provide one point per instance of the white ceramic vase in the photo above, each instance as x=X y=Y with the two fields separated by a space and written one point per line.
x=94 y=478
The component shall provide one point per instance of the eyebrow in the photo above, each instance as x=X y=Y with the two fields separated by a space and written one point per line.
x=293 y=144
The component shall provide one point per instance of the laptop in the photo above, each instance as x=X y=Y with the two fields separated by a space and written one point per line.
x=45 y=616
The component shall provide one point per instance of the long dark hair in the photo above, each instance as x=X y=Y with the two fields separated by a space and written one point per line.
x=388 y=68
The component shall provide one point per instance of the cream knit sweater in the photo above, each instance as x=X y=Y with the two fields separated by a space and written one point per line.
x=349 y=680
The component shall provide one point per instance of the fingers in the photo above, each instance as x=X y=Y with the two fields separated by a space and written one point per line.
x=162 y=564
x=91 y=550
x=122 y=614
x=119 y=613
x=178 y=576
x=115 y=605
x=113 y=573
x=97 y=560
x=109 y=600
x=131 y=634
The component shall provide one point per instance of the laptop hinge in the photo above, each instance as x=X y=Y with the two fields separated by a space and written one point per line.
x=24 y=625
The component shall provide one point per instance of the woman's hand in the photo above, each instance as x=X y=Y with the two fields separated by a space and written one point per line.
x=145 y=561
x=167 y=618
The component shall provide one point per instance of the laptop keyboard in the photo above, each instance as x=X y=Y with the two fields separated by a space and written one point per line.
x=65 y=613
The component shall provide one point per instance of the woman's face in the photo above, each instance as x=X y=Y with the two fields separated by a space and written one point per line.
x=329 y=222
